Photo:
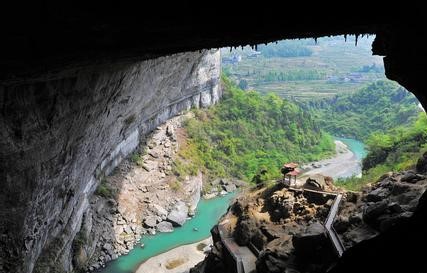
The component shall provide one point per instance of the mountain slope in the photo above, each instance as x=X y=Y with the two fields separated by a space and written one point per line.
x=378 y=107
x=248 y=131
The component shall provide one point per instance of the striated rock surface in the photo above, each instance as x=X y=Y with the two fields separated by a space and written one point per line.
x=178 y=215
x=139 y=201
x=62 y=135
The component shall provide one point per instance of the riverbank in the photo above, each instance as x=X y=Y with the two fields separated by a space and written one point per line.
x=194 y=230
x=344 y=164
x=177 y=260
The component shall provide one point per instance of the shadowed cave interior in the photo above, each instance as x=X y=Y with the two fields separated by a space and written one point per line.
x=79 y=86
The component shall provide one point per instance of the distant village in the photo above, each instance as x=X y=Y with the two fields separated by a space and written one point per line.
x=355 y=77
x=352 y=77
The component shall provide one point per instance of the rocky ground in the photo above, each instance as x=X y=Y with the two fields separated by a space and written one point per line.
x=142 y=196
x=284 y=228
x=379 y=207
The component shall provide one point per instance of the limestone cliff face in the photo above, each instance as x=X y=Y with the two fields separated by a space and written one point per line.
x=59 y=136
x=142 y=196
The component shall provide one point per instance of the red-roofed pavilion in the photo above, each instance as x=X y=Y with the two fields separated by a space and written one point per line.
x=290 y=172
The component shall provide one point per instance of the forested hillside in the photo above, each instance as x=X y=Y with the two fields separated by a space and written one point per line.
x=379 y=107
x=248 y=131
x=287 y=48
x=395 y=150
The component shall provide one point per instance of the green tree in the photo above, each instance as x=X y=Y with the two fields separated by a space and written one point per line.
x=243 y=84
x=247 y=130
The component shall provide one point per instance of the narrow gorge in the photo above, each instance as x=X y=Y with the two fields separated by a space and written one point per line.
x=62 y=136
x=89 y=99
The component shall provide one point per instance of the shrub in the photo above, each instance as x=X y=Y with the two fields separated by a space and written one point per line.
x=104 y=190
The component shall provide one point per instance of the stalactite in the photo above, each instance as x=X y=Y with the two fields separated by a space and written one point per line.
x=345 y=37
x=355 y=42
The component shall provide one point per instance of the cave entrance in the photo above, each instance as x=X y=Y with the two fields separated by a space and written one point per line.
x=342 y=91
x=342 y=88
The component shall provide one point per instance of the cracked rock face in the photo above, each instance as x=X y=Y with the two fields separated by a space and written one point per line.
x=60 y=135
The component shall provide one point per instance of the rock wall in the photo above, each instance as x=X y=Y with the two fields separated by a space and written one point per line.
x=60 y=136
x=142 y=196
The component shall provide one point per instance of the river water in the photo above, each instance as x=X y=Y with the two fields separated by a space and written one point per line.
x=207 y=215
x=353 y=166
x=357 y=147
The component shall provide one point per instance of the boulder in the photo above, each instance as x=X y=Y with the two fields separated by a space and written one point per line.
x=268 y=262
x=170 y=131
x=385 y=178
x=341 y=224
x=179 y=214
x=207 y=249
x=229 y=187
x=127 y=229
x=307 y=243
x=395 y=207
x=223 y=181
x=193 y=189
x=312 y=183
x=154 y=154
x=410 y=197
x=244 y=231
x=159 y=210
x=373 y=211
x=355 y=219
x=150 y=221
x=410 y=177
x=209 y=195
x=387 y=221
x=399 y=188
x=377 y=194
x=216 y=182
x=276 y=256
x=239 y=183
x=359 y=234
x=107 y=247
x=164 y=227
x=421 y=166
x=259 y=240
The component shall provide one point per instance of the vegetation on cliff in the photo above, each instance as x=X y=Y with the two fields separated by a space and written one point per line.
x=248 y=131
x=287 y=48
x=378 y=107
x=395 y=150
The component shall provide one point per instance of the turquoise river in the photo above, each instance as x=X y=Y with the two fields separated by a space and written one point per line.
x=207 y=215
x=357 y=147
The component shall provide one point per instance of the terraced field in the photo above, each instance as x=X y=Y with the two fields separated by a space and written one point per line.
x=338 y=66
